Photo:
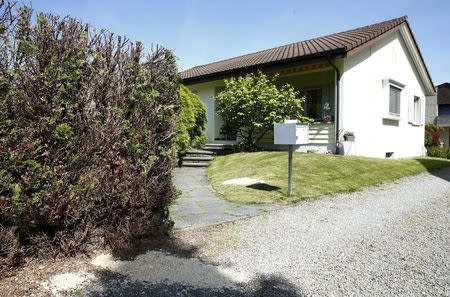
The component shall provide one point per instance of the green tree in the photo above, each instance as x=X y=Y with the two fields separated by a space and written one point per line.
x=250 y=105
x=192 y=121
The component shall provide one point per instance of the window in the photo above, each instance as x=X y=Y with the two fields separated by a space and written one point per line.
x=394 y=100
x=444 y=109
x=416 y=111
x=313 y=103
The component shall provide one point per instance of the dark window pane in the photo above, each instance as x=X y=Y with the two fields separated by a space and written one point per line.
x=313 y=103
x=444 y=109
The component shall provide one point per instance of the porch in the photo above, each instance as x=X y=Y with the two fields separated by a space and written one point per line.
x=316 y=82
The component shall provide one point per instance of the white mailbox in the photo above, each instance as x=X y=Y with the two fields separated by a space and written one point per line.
x=291 y=133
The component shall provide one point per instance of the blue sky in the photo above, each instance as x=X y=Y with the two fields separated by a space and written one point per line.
x=202 y=31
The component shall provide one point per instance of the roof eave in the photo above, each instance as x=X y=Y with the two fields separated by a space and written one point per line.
x=333 y=54
x=420 y=62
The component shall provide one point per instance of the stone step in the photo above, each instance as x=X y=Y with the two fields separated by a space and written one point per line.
x=215 y=144
x=214 y=149
x=194 y=164
x=204 y=158
x=201 y=157
x=217 y=147
x=194 y=152
x=197 y=156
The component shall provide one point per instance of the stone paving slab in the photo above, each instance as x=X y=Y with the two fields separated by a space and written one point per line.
x=198 y=206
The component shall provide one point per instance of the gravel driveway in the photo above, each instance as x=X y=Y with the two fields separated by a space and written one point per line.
x=379 y=242
x=392 y=240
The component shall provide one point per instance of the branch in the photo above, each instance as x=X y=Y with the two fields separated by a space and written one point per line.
x=261 y=136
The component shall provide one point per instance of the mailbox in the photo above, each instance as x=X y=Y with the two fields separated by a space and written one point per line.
x=291 y=133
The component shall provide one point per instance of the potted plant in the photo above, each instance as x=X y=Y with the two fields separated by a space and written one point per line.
x=326 y=111
x=349 y=136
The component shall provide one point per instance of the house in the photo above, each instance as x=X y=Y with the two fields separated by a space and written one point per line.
x=438 y=111
x=374 y=78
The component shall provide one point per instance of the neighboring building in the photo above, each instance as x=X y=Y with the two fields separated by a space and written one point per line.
x=374 y=78
x=438 y=110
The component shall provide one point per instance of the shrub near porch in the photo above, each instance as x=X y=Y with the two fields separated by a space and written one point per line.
x=314 y=174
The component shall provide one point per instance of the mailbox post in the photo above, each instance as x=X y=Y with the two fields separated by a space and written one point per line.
x=290 y=157
x=292 y=134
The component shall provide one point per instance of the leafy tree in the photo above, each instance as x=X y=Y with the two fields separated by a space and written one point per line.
x=192 y=121
x=251 y=104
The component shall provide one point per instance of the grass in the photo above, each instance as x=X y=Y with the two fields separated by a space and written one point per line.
x=314 y=174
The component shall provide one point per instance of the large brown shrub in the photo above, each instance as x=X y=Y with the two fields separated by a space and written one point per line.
x=86 y=129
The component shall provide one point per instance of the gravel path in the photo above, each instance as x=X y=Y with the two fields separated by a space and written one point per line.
x=392 y=240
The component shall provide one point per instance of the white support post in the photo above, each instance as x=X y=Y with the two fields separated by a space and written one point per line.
x=291 y=153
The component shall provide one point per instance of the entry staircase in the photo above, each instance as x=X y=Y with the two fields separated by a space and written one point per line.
x=202 y=157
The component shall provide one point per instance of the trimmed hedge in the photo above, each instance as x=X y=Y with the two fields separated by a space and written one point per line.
x=192 y=121
x=86 y=137
x=439 y=152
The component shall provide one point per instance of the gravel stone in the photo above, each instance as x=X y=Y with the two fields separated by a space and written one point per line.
x=390 y=240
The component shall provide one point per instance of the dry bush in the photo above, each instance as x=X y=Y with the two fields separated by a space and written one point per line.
x=86 y=128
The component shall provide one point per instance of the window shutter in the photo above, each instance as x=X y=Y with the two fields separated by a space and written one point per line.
x=391 y=100
x=394 y=100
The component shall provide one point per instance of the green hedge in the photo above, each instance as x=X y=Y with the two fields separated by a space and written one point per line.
x=439 y=152
x=192 y=121
x=86 y=137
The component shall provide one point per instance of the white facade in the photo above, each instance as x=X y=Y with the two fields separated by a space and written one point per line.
x=431 y=109
x=206 y=92
x=365 y=100
x=366 y=76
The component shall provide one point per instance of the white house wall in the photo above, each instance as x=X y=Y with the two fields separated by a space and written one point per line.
x=206 y=94
x=365 y=100
x=431 y=109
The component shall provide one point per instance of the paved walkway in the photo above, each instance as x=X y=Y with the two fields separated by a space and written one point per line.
x=198 y=206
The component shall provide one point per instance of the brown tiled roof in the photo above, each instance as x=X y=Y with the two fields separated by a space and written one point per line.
x=342 y=42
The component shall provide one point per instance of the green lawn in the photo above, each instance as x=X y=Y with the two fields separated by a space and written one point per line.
x=314 y=174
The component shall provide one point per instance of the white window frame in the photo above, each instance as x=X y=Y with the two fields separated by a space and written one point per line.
x=415 y=111
x=387 y=84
